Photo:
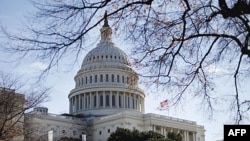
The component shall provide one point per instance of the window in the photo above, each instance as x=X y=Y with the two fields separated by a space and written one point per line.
x=101 y=100
x=120 y=101
x=90 y=78
x=81 y=102
x=86 y=104
x=126 y=100
x=107 y=78
x=100 y=132
x=108 y=130
x=113 y=78
x=118 y=78
x=95 y=78
x=86 y=80
x=82 y=80
x=123 y=79
x=101 y=78
x=95 y=101
x=133 y=103
x=113 y=100
x=107 y=100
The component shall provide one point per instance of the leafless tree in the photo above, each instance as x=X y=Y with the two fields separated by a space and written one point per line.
x=13 y=105
x=175 y=41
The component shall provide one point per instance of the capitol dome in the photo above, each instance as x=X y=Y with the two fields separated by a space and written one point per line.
x=106 y=82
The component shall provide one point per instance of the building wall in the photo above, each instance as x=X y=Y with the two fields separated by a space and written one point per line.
x=39 y=124
x=104 y=126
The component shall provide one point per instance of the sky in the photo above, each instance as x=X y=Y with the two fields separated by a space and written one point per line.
x=62 y=80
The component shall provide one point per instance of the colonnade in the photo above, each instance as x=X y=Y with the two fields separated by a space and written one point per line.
x=106 y=99
x=186 y=135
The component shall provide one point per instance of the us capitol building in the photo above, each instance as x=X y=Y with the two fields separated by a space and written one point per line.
x=106 y=96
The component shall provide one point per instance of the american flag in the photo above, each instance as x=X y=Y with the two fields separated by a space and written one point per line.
x=164 y=103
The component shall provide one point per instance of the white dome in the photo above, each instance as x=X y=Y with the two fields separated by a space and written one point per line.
x=106 y=83
x=105 y=54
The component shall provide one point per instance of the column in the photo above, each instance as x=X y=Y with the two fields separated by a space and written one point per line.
x=117 y=100
x=84 y=101
x=87 y=100
x=162 y=130
x=74 y=107
x=130 y=101
x=185 y=136
x=79 y=102
x=134 y=99
x=76 y=103
x=90 y=100
x=124 y=100
x=194 y=136
x=137 y=103
x=110 y=99
x=97 y=100
x=153 y=126
x=70 y=105
x=143 y=108
x=104 y=99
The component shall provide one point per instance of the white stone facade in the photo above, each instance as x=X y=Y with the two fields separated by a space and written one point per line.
x=102 y=127
x=39 y=123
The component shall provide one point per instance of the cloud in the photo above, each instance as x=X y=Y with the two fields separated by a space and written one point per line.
x=216 y=70
x=38 y=66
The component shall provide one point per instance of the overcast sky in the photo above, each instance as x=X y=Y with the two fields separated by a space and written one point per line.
x=62 y=79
